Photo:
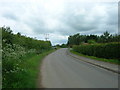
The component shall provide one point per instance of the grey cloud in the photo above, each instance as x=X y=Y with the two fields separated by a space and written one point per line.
x=80 y=23
x=36 y=25
x=8 y=15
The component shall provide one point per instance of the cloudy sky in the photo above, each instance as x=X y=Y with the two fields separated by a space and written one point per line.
x=59 y=18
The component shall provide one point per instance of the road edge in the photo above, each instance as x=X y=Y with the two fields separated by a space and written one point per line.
x=39 y=81
x=107 y=68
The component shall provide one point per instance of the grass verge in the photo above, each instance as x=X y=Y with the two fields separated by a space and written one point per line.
x=113 y=61
x=32 y=69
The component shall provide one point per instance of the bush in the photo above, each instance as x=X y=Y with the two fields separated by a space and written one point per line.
x=107 y=50
x=91 y=41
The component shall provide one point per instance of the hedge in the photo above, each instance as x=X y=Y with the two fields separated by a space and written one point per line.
x=106 y=50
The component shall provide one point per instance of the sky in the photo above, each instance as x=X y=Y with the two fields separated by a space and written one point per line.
x=59 y=18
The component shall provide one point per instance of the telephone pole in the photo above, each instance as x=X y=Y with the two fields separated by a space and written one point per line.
x=46 y=37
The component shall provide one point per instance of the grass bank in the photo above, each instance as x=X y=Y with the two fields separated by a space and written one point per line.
x=113 y=61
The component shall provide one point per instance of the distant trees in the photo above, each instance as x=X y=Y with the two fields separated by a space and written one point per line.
x=63 y=46
x=78 y=39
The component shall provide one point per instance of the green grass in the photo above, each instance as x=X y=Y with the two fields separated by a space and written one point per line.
x=32 y=66
x=113 y=61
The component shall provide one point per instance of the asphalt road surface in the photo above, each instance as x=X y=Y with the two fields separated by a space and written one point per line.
x=59 y=70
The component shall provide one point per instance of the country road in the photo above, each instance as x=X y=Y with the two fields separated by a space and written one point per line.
x=59 y=70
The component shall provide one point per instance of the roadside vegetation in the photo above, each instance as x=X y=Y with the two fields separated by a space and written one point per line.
x=113 y=61
x=106 y=46
x=107 y=50
x=21 y=56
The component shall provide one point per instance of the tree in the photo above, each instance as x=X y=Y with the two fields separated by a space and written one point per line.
x=19 y=34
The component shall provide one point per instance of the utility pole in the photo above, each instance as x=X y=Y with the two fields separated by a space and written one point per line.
x=46 y=37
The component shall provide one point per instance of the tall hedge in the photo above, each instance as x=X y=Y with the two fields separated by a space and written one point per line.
x=106 y=50
x=27 y=42
x=16 y=51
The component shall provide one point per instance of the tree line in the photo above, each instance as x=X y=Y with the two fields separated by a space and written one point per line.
x=106 y=37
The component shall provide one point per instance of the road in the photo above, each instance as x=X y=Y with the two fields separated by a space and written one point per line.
x=59 y=70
